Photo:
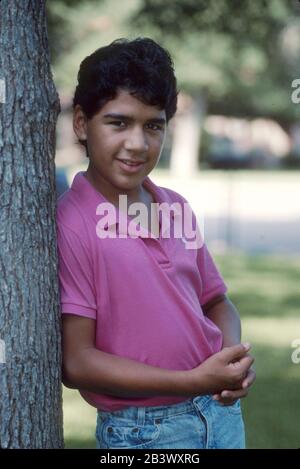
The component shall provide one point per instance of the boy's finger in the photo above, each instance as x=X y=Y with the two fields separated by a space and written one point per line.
x=249 y=380
x=246 y=362
x=230 y=395
x=235 y=352
x=243 y=364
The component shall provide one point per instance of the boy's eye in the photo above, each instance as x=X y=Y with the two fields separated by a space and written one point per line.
x=120 y=124
x=154 y=127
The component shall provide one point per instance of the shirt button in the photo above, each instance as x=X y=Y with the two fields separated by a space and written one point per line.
x=135 y=430
x=110 y=430
x=158 y=420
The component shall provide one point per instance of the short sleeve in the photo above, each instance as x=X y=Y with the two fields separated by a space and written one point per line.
x=212 y=281
x=77 y=295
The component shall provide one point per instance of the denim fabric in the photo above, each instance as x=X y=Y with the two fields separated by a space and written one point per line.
x=193 y=424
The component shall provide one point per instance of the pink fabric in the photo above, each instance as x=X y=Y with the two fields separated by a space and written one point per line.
x=144 y=294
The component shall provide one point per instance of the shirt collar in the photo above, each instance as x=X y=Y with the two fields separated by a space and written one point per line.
x=93 y=198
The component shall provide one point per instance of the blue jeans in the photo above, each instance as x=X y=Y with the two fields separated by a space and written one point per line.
x=193 y=424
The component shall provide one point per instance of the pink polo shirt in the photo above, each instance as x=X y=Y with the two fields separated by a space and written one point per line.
x=144 y=293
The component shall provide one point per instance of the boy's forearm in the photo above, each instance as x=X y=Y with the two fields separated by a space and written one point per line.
x=104 y=373
x=225 y=315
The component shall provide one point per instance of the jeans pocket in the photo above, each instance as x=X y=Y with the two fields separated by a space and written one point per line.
x=234 y=408
x=100 y=443
x=122 y=435
x=229 y=430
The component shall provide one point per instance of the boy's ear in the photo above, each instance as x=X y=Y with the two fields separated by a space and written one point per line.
x=79 y=123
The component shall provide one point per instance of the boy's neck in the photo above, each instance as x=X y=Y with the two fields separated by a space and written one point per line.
x=138 y=194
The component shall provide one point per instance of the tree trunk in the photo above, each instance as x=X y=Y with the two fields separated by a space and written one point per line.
x=187 y=133
x=30 y=376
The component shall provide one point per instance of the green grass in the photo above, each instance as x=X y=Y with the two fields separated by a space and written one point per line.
x=263 y=286
x=79 y=421
x=266 y=291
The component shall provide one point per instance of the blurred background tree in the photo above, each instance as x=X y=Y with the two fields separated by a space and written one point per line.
x=240 y=57
x=232 y=58
x=236 y=51
x=62 y=35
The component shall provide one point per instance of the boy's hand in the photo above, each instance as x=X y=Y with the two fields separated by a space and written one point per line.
x=225 y=370
x=229 y=397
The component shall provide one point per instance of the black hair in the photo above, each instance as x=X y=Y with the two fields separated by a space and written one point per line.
x=141 y=66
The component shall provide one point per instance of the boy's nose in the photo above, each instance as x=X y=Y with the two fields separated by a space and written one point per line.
x=136 y=141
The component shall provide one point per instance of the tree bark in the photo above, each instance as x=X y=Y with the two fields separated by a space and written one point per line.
x=30 y=372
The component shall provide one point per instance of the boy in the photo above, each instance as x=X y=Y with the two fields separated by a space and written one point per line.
x=149 y=337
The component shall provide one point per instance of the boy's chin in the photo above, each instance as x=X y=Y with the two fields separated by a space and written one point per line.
x=130 y=182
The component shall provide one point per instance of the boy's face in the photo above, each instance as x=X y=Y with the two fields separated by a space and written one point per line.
x=124 y=140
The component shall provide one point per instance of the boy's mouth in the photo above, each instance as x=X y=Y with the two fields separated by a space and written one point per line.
x=130 y=165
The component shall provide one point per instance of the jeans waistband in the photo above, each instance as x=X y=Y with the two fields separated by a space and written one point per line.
x=141 y=414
